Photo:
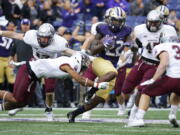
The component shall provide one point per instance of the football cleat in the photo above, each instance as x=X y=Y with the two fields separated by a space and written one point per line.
x=86 y=115
x=49 y=114
x=71 y=117
x=135 y=123
x=14 y=111
x=121 y=112
x=173 y=121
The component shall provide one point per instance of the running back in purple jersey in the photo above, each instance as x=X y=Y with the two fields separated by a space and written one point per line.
x=5 y=45
x=119 y=37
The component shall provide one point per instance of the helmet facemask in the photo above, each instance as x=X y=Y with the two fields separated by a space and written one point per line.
x=153 y=26
x=154 y=21
x=116 y=24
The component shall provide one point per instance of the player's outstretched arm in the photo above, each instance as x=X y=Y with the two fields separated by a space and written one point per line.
x=83 y=81
x=12 y=34
x=69 y=52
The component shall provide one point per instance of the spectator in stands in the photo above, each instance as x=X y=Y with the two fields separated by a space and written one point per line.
x=119 y=3
x=11 y=10
x=61 y=30
x=152 y=4
x=86 y=7
x=31 y=11
x=137 y=8
x=172 y=19
x=94 y=20
x=100 y=7
x=47 y=15
x=77 y=36
x=1 y=13
x=68 y=14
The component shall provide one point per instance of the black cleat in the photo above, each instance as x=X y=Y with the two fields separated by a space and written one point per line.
x=48 y=109
x=71 y=117
x=174 y=123
x=128 y=114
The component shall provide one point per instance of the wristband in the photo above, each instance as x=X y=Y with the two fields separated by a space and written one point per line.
x=96 y=85
x=86 y=82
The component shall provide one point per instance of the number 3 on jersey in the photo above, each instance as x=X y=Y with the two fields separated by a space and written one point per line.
x=177 y=49
x=6 y=42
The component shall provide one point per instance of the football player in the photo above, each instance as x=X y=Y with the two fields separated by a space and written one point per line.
x=165 y=13
x=146 y=37
x=165 y=80
x=5 y=69
x=45 y=44
x=30 y=72
x=110 y=37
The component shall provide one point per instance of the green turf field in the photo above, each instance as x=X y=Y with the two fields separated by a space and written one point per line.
x=103 y=122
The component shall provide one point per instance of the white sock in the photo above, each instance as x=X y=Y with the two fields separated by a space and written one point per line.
x=174 y=109
x=0 y=107
x=122 y=107
x=133 y=111
x=140 y=114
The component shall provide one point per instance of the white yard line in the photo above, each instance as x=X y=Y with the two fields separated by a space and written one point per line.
x=93 y=120
x=99 y=109
x=4 y=131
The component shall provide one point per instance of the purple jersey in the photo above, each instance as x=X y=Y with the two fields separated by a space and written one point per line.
x=5 y=45
x=120 y=38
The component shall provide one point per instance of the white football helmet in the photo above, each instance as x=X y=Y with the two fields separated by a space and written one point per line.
x=165 y=13
x=46 y=30
x=106 y=15
x=82 y=59
x=154 y=21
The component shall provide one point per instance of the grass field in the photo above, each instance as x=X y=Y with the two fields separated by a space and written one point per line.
x=103 y=122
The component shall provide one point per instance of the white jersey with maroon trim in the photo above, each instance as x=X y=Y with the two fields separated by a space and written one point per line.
x=173 y=50
x=151 y=39
x=50 y=68
x=58 y=45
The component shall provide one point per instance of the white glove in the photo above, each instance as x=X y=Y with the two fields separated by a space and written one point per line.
x=17 y=63
x=128 y=55
x=120 y=64
x=101 y=85
x=148 y=82
x=83 y=50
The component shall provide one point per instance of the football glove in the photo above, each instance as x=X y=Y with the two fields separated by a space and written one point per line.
x=101 y=85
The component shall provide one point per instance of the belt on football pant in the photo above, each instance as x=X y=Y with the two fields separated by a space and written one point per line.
x=149 y=61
